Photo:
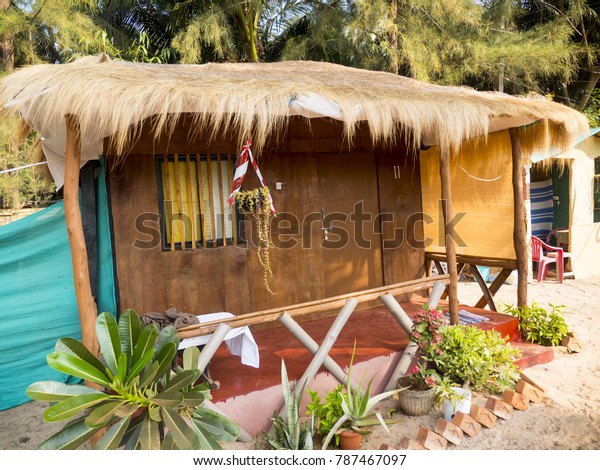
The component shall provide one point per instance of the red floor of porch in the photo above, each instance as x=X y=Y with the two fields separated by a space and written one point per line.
x=375 y=331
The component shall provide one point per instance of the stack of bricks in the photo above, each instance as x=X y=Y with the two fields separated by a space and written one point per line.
x=470 y=425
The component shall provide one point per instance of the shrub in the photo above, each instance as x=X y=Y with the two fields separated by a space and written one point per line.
x=328 y=412
x=483 y=358
x=537 y=325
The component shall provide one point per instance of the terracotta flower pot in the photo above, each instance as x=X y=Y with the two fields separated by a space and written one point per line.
x=350 y=440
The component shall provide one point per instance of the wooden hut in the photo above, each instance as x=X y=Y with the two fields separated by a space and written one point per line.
x=338 y=147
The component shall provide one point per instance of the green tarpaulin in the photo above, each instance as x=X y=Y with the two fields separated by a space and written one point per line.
x=37 y=296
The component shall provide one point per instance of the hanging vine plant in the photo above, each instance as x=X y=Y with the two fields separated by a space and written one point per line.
x=255 y=203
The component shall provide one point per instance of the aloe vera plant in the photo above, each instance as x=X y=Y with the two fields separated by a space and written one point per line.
x=143 y=402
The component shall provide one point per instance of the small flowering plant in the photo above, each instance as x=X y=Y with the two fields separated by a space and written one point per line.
x=426 y=323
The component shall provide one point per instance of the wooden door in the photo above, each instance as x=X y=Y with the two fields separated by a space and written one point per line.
x=348 y=196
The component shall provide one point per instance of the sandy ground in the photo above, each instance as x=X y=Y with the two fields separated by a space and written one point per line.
x=569 y=418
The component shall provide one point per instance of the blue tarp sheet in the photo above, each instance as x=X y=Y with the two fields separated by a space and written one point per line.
x=37 y=296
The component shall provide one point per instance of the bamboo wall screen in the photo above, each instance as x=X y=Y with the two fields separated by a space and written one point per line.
x=193 y=203
x=481 y=177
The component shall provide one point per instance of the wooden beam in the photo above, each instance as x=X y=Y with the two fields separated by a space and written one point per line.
x=81 y=276
x=520 y=229
x=484 y=288
x=448 y=214
x=306 y=308
x=478 y=260
x=495 y=285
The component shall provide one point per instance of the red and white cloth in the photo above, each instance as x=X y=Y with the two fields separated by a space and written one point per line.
x=240 y=173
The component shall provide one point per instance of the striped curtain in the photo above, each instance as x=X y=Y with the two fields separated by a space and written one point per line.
x=542 y=208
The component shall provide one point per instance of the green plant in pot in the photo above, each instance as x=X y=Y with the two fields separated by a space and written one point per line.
x=326 y=412
x=357 y=407
x=141 y=401
x=453 y=398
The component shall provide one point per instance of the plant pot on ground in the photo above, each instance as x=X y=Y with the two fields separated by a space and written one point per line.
x=453 y=398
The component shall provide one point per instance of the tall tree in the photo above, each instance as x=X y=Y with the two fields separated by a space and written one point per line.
x=7 y=53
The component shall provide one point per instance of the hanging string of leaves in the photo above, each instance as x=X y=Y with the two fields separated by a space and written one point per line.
x=255 y=204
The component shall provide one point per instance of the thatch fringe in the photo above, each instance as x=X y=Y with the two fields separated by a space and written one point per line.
x=113 y=98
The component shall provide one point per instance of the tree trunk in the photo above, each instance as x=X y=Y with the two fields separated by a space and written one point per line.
x=81 y=276
x=589 y=87
x=7 y=50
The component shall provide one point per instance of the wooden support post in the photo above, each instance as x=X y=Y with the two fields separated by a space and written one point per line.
x=484 y=288
x=495 y=285
x=81 y=276
x=520 y=229
x=448 y=233
x=310 y=344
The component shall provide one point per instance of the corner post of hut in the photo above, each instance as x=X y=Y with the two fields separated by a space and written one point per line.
x=520 y=228
x=448 y=215
x=79 y=257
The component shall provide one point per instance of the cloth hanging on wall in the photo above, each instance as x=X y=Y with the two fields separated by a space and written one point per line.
x=542 y=208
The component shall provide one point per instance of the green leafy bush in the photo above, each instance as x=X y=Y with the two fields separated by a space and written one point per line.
x=537 y=325
x=483 y=358
x=327 y=412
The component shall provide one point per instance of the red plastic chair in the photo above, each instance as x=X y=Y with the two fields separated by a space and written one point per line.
x=544 y=254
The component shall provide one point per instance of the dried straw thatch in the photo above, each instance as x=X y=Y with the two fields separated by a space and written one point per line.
x=113 y=98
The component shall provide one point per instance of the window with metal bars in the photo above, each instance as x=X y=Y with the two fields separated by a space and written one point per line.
x=193 y=190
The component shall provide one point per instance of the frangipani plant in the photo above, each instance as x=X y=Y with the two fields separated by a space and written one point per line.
x=142 y=402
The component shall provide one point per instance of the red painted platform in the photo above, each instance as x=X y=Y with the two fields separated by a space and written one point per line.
x=375 y=331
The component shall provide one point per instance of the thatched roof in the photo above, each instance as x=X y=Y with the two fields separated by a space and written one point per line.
x=110 y=97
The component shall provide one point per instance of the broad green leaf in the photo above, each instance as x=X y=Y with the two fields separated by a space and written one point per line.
x=149 y=375
x=190 y=358
x=72 y=436
x=193 y=399
x=73 y=365
x=102 y=415
x=182 y=380
x=112 y=438
x=122 y=367
x=168 y=335
x=72 y=406
x=154 y=413
x=131 y=437
x=75 y=348
x=126 y=409
x=185 y=437
x=206 y=440
x=141 y=363
x=171 y=399
x=230 y=430
x=129 y=331
x=145 y=342
x=50 y=390
x=165 y=357
x=149 y=434
x=168 y=442
x=108 y=338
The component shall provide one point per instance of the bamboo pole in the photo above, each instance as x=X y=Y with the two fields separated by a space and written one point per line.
x=312 y=307
x=448 y=232
x=188 y=180
x=203 y=232
x=168 y=199
x=233 y=216
x=180 y=212
x=213 y=220
x=520 y=230
x=85 y=302
x=221 y=199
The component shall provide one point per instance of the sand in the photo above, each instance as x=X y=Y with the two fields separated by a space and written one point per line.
x=569 y=417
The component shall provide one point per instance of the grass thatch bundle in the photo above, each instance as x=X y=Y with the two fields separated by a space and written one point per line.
x=113 y=98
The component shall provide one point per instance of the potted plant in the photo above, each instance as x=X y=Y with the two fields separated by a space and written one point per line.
x=140 y=402
x=418 y=386
x=328 y=411
x=256 y=203
x=453 y=398
x=358 y=414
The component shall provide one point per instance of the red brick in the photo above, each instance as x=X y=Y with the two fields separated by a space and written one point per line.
x=515 y=399
x=533 y=394
x=449 y=431
x=407 y=443
x=483 y=416
x=467 y=424
x=386 y=447
x=571 y=342
x=431 y=440
x=499 y=408
x=530 y=381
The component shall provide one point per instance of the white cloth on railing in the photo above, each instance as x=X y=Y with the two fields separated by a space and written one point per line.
x=239 y=341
